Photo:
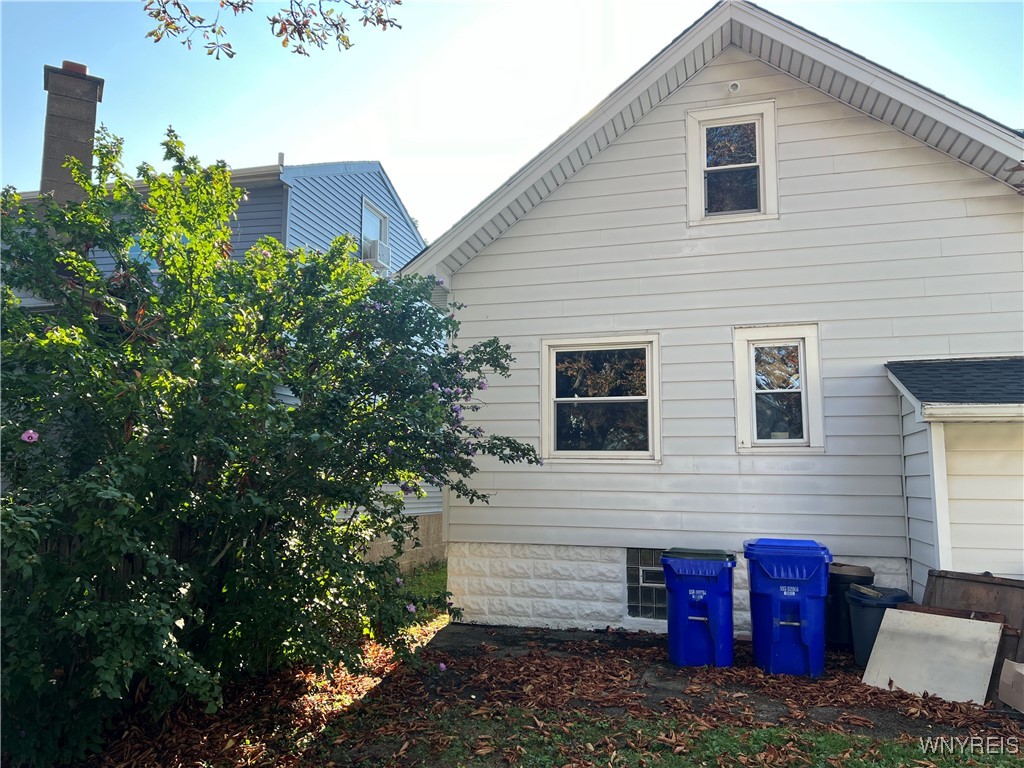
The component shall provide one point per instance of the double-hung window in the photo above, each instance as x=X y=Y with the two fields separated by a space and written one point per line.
x=731 y=163
x=778 y=388
x=600 y=398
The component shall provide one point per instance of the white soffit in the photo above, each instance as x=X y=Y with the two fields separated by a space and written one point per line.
x=912 y=109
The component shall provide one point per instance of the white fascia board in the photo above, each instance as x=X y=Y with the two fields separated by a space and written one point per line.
x=558 y=150
x=918 y=416
x=972 y=412
x=257 y=174
x=914 y=96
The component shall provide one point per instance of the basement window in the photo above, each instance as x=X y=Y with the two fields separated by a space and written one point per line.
x=645 y=584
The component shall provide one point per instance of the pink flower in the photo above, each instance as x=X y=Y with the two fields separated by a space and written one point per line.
x=411 y=608
x=442 y=666
x=30 y=436
x=399 y=582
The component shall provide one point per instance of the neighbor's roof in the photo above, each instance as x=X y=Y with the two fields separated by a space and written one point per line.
x=962 y=389
x=931 y=118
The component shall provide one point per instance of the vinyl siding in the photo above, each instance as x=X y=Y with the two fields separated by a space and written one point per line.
x=324 y=205
x=986 y=497
x=260 y=214
x=917 y=468
x=894 y=249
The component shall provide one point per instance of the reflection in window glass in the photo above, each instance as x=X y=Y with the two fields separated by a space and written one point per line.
x=733 y=191
x=732 y=177
x=731 y=145
x=583 y=426
x=777 y=367
x=778 y=400
x=601 y=373
x=601 y=400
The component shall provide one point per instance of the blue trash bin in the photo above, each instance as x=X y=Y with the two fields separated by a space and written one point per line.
x=699 y=590
x=788 y=587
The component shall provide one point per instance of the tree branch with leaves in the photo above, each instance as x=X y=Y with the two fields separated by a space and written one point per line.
x=300 y=23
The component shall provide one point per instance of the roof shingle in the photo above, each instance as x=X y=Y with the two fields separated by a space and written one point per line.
x=975 y=380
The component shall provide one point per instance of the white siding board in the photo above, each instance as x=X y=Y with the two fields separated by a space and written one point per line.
x=1005 y=563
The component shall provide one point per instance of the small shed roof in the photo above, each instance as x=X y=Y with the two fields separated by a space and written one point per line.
x=963 y=388
x=974 y=380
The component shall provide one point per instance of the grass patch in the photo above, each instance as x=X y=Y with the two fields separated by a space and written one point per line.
x=428 y=580
x=461 y=736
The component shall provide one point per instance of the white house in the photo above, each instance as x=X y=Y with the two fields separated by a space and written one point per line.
x=703 y=282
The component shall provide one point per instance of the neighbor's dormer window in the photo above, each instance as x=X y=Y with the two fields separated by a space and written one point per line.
x=375 y=224
x=374 y=237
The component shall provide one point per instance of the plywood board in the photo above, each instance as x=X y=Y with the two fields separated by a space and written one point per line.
x=946 y=656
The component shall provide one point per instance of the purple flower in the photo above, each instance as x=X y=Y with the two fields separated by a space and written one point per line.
x=435 y=386
x=411 y=608
x=400 y=582
x=440 y=281
x=482 y=384
x=457 y=408
x=29 y=435
x=442 y=666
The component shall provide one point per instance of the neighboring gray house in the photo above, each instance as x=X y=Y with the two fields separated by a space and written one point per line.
x=702 y=283
x=310 y=205
x=300 y=205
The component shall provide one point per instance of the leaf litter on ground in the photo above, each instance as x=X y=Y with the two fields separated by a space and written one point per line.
x=493 y=701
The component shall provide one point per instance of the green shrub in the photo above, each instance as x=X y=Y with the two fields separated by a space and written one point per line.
x=196 y=463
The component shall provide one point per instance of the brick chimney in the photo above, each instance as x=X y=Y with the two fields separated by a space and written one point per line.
x=70 y=125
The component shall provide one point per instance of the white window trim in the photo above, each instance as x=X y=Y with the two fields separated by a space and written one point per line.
x=743 y=340
x=384 y=221
x=548 y=349
x=761 y=112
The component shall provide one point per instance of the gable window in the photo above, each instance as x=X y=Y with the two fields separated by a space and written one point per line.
x=374 y=235
x=731 y=163
x=778 y=389
x=600 y=399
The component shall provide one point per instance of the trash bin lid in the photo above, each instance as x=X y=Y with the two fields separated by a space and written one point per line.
x=687 y=553
x=890 y=596
x=802 y=547
x=845 y=573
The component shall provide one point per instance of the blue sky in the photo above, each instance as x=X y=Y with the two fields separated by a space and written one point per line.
x=456 y=101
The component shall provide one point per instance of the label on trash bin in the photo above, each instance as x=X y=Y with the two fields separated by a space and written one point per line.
x=789 y=590
x=698 y=594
